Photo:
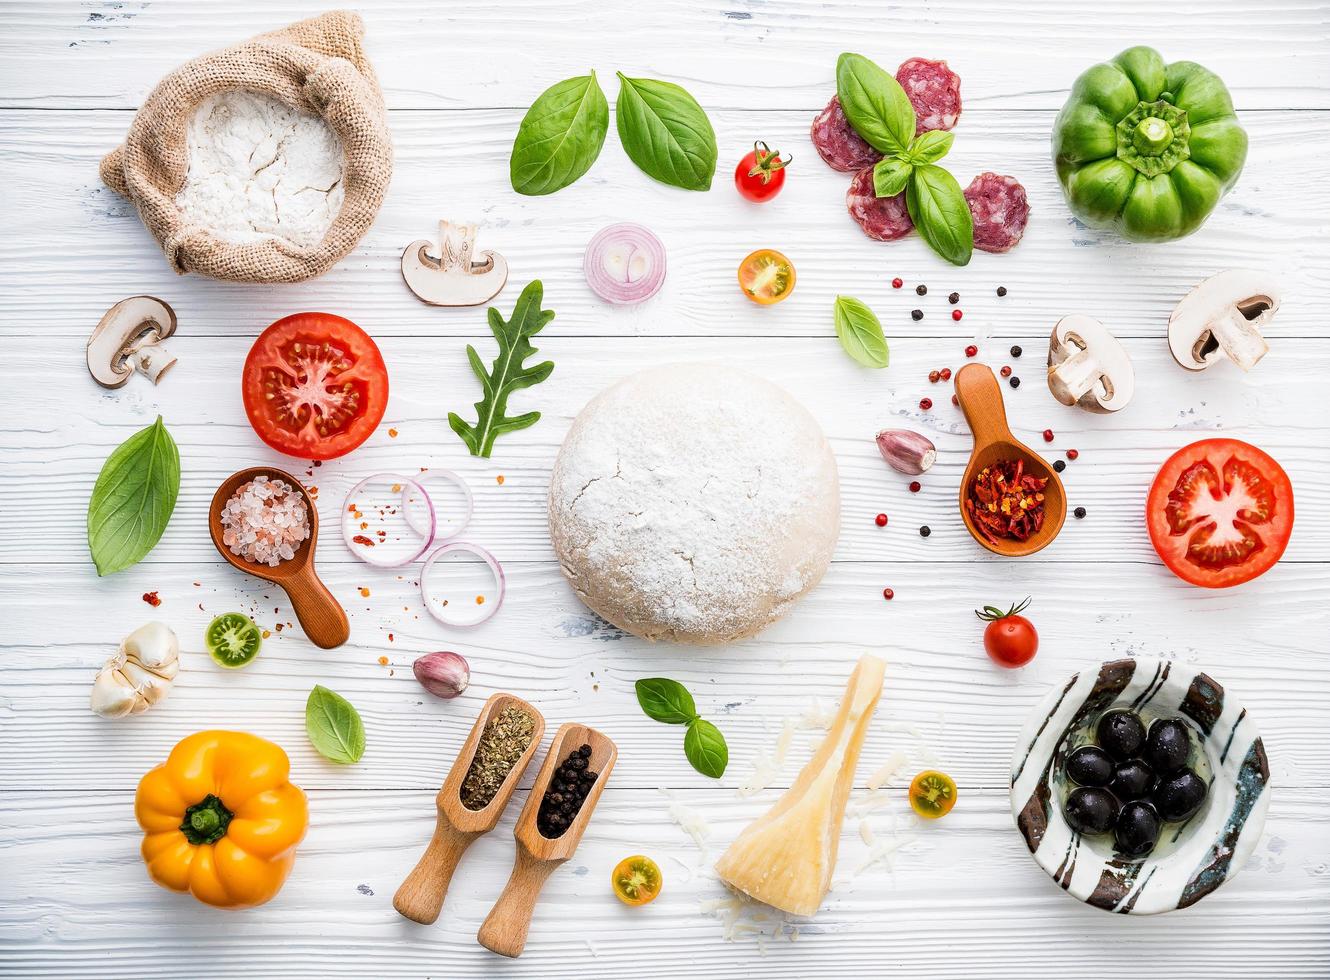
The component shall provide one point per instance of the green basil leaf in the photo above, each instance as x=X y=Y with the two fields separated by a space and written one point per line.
x=665 y=132
x=875 y=103
x=666 y=700
x=706 y=749
x=560 y=136
x=890 y=175
x=860 y=333
x=133 y=498
x=333 y=726
x=930 y=147
x=940 y=212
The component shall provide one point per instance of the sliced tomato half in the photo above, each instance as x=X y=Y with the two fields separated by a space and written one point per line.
x=1220 y=512
x=315 y=386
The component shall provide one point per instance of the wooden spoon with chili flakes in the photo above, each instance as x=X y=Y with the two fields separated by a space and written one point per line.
x=980 y=399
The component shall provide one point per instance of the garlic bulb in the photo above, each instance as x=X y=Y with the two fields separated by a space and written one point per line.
x=139 y=675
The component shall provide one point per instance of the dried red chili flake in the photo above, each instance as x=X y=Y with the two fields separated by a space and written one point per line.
x=362 y=540
x=152 y=599
x=1006 y=502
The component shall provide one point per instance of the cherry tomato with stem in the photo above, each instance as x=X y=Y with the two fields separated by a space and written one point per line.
x=1010 y=639
x=761 y=174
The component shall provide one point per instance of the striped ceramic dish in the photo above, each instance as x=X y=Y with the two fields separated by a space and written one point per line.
x=1193 y=858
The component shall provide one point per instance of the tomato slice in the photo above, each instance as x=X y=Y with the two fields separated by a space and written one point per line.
x=766 y=276
x=932 y=794
x=1220 y=512
x=636 y=880
x=315 y=386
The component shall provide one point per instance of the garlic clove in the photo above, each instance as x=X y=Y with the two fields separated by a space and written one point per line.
x=112 y=697
x=905 y=451
x=443 y=674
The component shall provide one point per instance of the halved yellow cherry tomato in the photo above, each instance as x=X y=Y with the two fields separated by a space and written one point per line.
x=932 y=794
x=766 y=276
x=636 y=880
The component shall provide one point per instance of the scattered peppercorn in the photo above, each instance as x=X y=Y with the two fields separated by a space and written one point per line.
x=881 y=520
x=925 y=403
x=916 y=486
x=897 y=283
x=956 y=314
x=954 y=298
x=1072 y=453
x=925 y=531
x=568 y=790
x=921 y=289
x=933 y=376
x=1016 y=350
x=1006 y=371
x=945 y=374
x=971 y=351
x=888 y=594
x=916 y=314
x=955 y=400
x=1014 y=382
x=1059 y=465
x=1002 y=290
x=1079 y=512
x=1048 y=435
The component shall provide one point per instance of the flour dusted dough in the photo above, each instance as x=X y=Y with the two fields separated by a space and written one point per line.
x=260 y=169
x=694 y=503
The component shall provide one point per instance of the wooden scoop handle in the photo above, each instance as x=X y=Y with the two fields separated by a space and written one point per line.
x=981 y=400
x=504 y=929
x=321 y=616
x=420 y=898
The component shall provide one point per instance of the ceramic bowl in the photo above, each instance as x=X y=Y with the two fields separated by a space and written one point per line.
x=1192 y=858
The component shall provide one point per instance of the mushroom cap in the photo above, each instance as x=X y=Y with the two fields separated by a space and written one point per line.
x=118 y=333
x=1224 y=316
x=1088 y=366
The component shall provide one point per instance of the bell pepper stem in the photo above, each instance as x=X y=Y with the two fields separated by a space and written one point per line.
x=206 y=821
x=1152 y=136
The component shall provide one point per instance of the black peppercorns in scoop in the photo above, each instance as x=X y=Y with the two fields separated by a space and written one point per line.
x=567 y=792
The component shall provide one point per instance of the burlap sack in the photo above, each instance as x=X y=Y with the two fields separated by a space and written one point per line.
x=316 y=66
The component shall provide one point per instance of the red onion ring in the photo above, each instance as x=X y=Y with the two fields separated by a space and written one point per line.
x=624 y=263
x=457 y=481
x=367 y=554
x=436 y=608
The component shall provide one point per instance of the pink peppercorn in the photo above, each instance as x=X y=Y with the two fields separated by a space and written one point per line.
x=971 y=351
x=956 y=314
x=916 y=486
x=880 y=520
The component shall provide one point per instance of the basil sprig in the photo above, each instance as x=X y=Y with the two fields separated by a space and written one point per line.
x=133 y=498
x=560 y=137
x=860 y=332
x=668 y=701
x=880 y=111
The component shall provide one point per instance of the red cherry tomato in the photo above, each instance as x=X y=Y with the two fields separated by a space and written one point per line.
x=761 y=174
x=315 y=386
x=1009 y=638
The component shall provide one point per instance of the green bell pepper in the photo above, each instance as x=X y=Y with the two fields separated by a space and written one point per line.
x=1146 y=148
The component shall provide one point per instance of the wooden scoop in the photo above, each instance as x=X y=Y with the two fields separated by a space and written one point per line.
x=321 y=617
x=980 y=397
x=420 y=898
x=505 y=928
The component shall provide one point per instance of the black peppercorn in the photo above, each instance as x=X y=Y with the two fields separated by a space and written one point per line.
x=921 y=289
x=1079 y=512
x=1002 y=290
x=916 y=314
x=1016 y=351
x=925 y=531
x=1014 y=381
x=954 y=298
x=585 y=752
x=1059 y=465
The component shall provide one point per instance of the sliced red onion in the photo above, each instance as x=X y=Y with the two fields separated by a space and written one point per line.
x=386 y=543
x=423 y=522
x=439 y=606
x=625 y=263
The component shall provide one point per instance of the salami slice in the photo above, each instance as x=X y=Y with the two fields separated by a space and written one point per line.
x=934 y=91
x=883 y=218
x=1000 y=211
x=837 y=142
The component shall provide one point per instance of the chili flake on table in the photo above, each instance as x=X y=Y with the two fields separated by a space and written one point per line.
x=1006 y=502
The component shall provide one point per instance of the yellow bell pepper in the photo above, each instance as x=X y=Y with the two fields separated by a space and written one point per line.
x=221 y=820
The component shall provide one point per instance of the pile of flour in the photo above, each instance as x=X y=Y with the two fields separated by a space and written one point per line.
x=259 y=169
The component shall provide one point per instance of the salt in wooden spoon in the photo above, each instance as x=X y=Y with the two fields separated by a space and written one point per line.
x=322 y=618
x=505 y=928
x=980 y=399
x=420 y=897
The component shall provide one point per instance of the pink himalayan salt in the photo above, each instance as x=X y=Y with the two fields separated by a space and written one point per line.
x=265 y=521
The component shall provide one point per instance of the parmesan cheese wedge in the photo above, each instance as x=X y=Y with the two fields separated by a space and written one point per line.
x=786 y=857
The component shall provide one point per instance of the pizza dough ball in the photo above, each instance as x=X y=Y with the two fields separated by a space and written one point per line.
x=694 y=503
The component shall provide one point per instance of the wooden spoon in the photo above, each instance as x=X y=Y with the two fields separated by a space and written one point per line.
x=321 y=617
x=505 y=928
x=420 y=898
x=980 y=397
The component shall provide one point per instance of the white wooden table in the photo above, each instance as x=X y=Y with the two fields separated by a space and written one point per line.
x=963 y=898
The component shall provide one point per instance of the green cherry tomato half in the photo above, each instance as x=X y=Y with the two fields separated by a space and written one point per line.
x=233 y=639
x=932 y=794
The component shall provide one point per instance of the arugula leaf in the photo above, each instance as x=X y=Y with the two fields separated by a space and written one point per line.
x=334 y=726
x=874 y=102
x=940 y=213
x=890 y=175
x=665 y=132
x=507 y=373
x=665 y=700
x=133 y=498
x=930 y=147
x=705 y=748
x=560 y=137
x=860 y=333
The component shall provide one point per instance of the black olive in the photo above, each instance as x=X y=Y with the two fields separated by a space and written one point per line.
x=1090 y=766
x=1168 y=745
x=1120 y=734
x=1137 y=829
x=1090 y=810
x=1180 y=795
x=1132 y=780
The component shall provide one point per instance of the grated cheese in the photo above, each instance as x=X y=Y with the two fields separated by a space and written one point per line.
x=889 y=769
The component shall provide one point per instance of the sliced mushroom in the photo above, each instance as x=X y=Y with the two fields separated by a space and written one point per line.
x=454 y=278
x=1223 y=318
x=128 y=338
x=1088 y=366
